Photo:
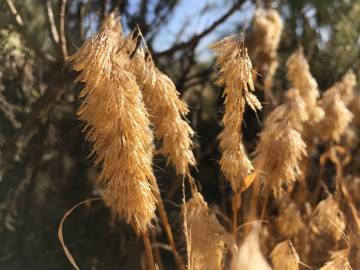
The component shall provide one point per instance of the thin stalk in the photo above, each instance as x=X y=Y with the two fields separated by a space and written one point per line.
x=148 y=252
x=156 y=251
x=265 y=204
x=168 y=232
x=252 y=215
x=235 y=205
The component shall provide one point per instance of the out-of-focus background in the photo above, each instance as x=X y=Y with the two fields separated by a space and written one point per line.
x=44 y=169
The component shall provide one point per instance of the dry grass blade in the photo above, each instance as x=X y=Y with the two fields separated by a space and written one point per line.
x=60 y=230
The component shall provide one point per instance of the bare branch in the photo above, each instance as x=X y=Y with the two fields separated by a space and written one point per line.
x=196 y=38
x=53 y=29
x=9 y=111
x=80 y=16
x=15 y=13
x=63 y=43
x=40 y=111
x=21 y=28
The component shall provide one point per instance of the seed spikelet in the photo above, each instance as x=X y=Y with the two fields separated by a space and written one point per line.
x=236 y=77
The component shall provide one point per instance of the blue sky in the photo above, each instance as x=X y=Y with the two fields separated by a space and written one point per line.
x=188 y=12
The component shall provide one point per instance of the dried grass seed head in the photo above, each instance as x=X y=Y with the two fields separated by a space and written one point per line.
x=289 y=222
x=280 y=135
x=117 y=124
x=167 y=112
x=267 y=29
x=339 y=261
x=207 y=237
x=236 y=78
x=327 y=218
x=298 y=72
x=337 y=116
x=93 y=57
x=346 y=87
x=285 y=257
x=265 y=34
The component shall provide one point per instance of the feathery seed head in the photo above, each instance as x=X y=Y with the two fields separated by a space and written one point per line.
x=285 y=257
x=236 y=77
x=289 y=221
x=266 y=33
x=207 y=236
x=267 y=26
x=327 y=218
x=117 y=125
x=298 y=72
x=346 y=87
x=337 y=116
x=339 y=261
x=280 y=135
x=167 y=112
x=93 y=57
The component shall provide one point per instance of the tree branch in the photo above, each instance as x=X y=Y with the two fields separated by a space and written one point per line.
x=63 y=44
x=50 y=16
x=21 y=28
x=14 y=12
x=196 y=38
x=14 y=148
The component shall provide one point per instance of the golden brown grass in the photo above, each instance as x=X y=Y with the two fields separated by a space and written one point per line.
x=126 y=99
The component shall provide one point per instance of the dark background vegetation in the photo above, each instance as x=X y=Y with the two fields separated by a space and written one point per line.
x=44 y=168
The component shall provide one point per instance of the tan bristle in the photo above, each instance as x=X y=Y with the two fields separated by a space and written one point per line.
x=167 y=113
x=281 y=136
x=285 y=257
x=236 y=77
x=289 y=221
x=337 y=116
x=207 y=237
x=117 y=125
x=298 y=72
x=327 y=218
x=339 y=261
x=249 y=255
